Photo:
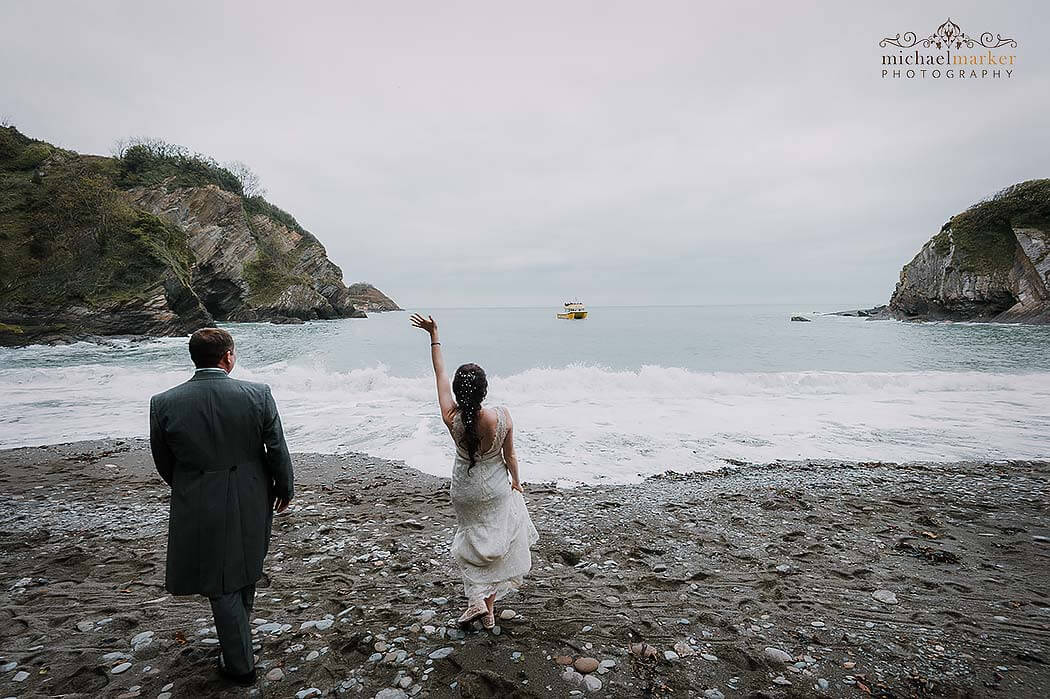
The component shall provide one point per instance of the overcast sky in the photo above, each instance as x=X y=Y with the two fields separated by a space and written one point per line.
x=521 y=153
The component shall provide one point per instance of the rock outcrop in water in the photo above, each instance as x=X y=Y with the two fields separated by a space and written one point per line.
x=878 y=312
x=988 y=263
x=370 y=299
x=154 y=242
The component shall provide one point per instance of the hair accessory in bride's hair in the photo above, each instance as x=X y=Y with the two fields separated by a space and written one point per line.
x=470 y=386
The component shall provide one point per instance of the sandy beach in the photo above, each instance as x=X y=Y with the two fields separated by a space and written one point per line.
x=779 y=580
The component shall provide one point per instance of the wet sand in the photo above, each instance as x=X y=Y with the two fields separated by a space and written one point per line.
x=779 y=580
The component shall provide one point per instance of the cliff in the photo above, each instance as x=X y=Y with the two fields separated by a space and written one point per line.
x=370 y=299
x=988 y=263
x=156 y=241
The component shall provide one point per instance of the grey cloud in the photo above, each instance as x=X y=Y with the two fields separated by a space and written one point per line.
x=516 y=153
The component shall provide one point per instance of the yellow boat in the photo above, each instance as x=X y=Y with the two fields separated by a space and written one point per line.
x=574 y=310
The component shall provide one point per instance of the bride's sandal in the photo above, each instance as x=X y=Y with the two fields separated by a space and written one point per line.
x=472 y=612
x=489 y=622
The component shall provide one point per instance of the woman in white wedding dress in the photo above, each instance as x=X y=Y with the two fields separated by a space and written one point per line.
x=494 y=530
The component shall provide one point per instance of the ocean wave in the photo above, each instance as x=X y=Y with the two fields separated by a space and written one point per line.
x=570 y=383
x=584 y=422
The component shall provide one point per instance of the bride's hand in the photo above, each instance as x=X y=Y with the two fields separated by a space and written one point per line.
x=428 y=323
x=517 y=486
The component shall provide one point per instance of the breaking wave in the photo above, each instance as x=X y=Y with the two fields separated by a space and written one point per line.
x=585 y=423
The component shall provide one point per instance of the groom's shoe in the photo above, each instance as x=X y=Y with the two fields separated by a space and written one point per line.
x=245 y=680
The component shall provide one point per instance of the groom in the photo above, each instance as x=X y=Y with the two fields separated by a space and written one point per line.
x=218 y=443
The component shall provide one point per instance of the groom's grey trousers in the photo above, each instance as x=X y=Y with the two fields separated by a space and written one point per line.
x=232 y=612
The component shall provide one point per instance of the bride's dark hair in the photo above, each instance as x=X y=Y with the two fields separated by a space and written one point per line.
x=470 y=386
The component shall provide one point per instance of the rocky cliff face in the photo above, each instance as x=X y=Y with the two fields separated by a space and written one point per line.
x=989 y=263
x=156 y=242
x=249 y=267
x=166 y=308
x=368 y=298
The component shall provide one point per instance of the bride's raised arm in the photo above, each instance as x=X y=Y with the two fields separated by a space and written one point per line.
x=444 y=387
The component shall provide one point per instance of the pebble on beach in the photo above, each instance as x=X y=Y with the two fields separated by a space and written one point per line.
x=586 y=665
x=777 y=655
x=884 y=596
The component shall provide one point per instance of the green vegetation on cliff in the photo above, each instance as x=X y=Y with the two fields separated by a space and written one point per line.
x=67 y=234
x=267 y=279
x=988 y=263
x=155 y=240
x=151 y=162
x=983 y=234
x=257 y=205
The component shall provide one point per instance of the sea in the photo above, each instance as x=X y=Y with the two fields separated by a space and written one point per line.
x=627 y=393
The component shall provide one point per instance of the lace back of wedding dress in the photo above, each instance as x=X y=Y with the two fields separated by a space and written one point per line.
x=497 y=443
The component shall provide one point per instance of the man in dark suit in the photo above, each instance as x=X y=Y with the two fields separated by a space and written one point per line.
x=218 y=443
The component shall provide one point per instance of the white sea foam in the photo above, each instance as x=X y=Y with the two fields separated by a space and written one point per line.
x=585 y=423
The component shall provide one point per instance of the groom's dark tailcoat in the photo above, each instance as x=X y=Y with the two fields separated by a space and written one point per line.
x=219 y=444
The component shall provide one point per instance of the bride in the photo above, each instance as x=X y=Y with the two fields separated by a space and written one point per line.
x=494 y=530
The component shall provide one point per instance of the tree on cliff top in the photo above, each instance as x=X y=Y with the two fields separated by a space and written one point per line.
x=251 y=183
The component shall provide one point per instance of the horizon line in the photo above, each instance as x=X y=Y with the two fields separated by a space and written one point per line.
x=648 y=305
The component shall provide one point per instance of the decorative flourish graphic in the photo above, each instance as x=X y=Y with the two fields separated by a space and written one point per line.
x=948 y=35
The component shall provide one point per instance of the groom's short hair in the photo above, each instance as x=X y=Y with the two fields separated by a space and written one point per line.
x=208 y=345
